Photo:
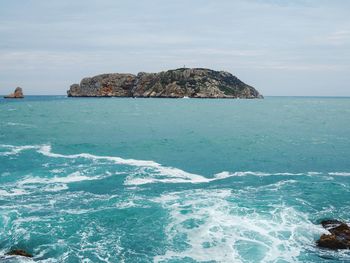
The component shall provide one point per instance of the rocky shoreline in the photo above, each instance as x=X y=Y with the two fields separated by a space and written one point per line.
x=177 y=83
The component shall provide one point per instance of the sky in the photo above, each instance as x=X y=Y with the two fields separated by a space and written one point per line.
x=281 y=47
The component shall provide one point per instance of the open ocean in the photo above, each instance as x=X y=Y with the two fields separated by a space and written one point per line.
x=173 y=180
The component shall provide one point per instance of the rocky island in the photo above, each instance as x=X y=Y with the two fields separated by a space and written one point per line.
x=17 y=94
x=177 y=83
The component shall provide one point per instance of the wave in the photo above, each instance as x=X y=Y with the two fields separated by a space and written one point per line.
x=173 y=175
x=14 y=150
x=13 y=192
x=147 y=172
x=55 y=188
x=71 y=178
x=19 y=124
x=339 y=174
x=218 y=229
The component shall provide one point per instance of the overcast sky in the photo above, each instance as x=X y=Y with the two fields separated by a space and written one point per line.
x=281 y=47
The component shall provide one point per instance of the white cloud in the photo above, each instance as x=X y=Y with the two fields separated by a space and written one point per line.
x=339 y=37
x=287 y=66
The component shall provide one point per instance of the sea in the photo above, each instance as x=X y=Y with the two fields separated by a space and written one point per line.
x=172 y=180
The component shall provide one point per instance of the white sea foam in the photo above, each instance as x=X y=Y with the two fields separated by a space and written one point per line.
x=57 y=171
x=46 y=150
x=71 y=178
x=5 y=174
x=55 y=187
x=176 y=175
x=13 y=192
x=313 y=173
x=19 y=124
x=184 y=177
x=148 y=172
x=15 y=259
x=14 y=150
x=217 y=229
x=226 y=174
x=128 y=204
x=339 y=174
x=53 y=184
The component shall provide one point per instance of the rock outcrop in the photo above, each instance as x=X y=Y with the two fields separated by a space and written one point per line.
x=339 y=237
x=19 y=252
x=18 y=94
x=178 y=83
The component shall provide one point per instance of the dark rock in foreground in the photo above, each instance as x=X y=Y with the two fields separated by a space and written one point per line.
x=178 y=83
x=19 y=252
x=18 y=94
x=339 y=237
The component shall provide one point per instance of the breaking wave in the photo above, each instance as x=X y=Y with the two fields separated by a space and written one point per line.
x=215 y=228
x=147 y=172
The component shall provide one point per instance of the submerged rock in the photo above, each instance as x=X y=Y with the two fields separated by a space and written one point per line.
x=339 y=237
x=19 y=252
x=178 y=83
x=18 y=94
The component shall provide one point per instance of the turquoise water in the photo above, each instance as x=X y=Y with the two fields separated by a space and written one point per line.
x=173 y=180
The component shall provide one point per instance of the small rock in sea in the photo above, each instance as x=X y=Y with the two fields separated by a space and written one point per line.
x=339 y=237
x=19 y=252
x=18 y=94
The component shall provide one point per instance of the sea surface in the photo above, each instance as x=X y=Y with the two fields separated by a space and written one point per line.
x=172 y=180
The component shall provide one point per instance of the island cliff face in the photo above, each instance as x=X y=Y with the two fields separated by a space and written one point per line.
x=178 y=83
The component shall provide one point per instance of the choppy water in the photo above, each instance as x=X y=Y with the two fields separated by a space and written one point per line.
x=173 y=180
